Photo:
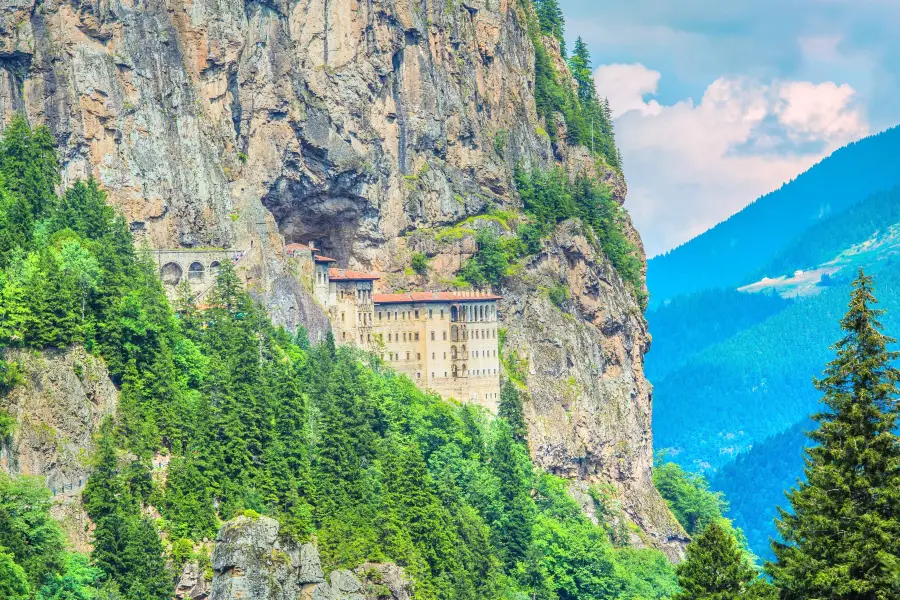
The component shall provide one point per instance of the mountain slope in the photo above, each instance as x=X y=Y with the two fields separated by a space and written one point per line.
x=733 y=370
x=727 y=254
x=688 y=324
x=756 y=481
x=831 y=236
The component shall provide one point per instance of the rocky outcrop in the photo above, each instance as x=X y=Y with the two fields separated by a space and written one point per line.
x=192 y=584
x=248 y=123
x=252 y=561
x=580 y=362
x=58 y=408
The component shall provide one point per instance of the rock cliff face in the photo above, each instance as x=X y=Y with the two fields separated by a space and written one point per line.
x=59 y=407
x=353 y=123
x=252 y=560
x=581 y=362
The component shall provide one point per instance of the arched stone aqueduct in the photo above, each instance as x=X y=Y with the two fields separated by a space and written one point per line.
x=198 y=266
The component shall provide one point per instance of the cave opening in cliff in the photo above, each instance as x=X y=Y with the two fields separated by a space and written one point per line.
x=331 y=221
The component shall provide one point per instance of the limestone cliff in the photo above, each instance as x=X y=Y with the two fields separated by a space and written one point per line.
x=357 y=124
x=58 y=408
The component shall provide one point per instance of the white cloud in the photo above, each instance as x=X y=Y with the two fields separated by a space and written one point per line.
x=625 y=86
x=691 y=165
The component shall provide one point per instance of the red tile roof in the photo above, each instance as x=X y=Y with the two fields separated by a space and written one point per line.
x=320 y=258
x=296 y=247
x=348 y=275
x=466 y=296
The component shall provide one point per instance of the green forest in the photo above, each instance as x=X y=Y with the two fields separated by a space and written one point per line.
x=688 y=324
x=755 y=481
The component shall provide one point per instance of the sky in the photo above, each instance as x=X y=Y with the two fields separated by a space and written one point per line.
x=717 y=102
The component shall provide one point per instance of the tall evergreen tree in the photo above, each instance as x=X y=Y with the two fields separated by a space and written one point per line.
x=842 y=536
x=715 y=568
x=552 y=22
x=29 y=164
x=510 y=409
x=580 y=66
x=509 y=461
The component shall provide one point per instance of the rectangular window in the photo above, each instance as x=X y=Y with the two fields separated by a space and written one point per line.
x=442 y=313
x=432 y=356
x=343 y=317
x=389 y=337
x=379 y=315
x=417 y=336
x=430 y=316
x=445 y=336
x=407 y=356
x=418 y=376
x=432 y=336
x=418 y=356
x=417 y=314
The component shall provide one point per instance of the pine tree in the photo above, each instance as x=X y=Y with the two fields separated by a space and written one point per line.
x=842 y=536
x=510 y=464
x=580 y=66
x=552 y=21
x=29 y=164
x=84 y=210
x=144 y=575
x=510 y=409
x=715 y=568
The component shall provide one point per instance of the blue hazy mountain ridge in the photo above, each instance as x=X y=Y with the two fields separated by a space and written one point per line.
x=726 y=255
x=729 y=368
x=688 y=324
x=750 y=386
x=755 y=483
x=827 y=238
x=733 y=372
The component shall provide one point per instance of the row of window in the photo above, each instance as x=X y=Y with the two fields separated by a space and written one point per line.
x=396 y=337
x=471 y=313
x=455 y=373
x=364 y=319
x=454 y=354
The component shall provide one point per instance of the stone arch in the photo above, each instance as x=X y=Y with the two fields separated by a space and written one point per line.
x=171 y=273
x=453 y=352
x=454 y=314
x=196 y=271
x=454 y=333
x=214 y=267
x=454 y=372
